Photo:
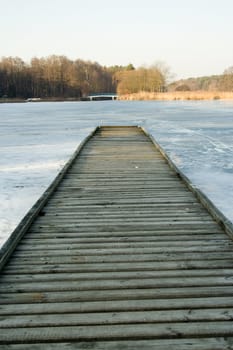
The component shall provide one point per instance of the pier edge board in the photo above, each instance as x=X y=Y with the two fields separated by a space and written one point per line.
x=216 y=214
x=11 y=243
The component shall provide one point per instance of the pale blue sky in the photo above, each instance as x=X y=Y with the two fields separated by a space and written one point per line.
x=193 y=37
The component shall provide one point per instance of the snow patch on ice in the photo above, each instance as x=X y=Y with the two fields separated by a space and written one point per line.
x=30 y=167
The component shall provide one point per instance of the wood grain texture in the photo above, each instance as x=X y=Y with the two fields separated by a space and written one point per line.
x=122 y=255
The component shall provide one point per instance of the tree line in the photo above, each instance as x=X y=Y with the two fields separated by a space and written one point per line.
x=223 y=82
x=53 y=76
x=58 y=76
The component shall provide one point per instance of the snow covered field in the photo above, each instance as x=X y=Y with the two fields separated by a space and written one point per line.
x=36 y=139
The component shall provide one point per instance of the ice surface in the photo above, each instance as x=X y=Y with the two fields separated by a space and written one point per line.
x=36 y=139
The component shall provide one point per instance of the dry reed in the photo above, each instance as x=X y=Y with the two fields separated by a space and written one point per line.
x=178 y=95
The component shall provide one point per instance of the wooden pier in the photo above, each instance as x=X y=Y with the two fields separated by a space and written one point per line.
x=118 y=254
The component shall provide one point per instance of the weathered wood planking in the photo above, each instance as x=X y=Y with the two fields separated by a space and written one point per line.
x=119 y=254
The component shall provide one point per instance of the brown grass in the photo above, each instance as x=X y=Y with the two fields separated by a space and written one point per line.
x=178 y=95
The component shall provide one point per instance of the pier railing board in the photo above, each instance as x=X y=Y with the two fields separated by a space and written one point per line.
x=118 y=254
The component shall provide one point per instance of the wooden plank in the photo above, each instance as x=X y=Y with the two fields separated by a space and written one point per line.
x=211 y=343
x=120 y=252
x=126 y=231
x=121 y=332
x=123 y=248
x=117 y=318
x=94 y=276
x=170 y=304
x=21 y=297
x=57 y=244
x=105 y=284
x=161 y=240
x=37 y=267
x=72 y=257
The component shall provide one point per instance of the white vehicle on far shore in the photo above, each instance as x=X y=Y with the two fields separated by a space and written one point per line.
x=33 y=99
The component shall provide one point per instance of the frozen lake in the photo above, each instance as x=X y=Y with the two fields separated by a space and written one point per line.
x=36 y=139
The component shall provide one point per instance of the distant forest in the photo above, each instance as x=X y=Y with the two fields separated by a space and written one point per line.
x=223 y=82
x=60 y=77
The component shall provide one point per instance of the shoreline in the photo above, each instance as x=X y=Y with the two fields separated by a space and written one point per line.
x=52 y=99
x=142 y=96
